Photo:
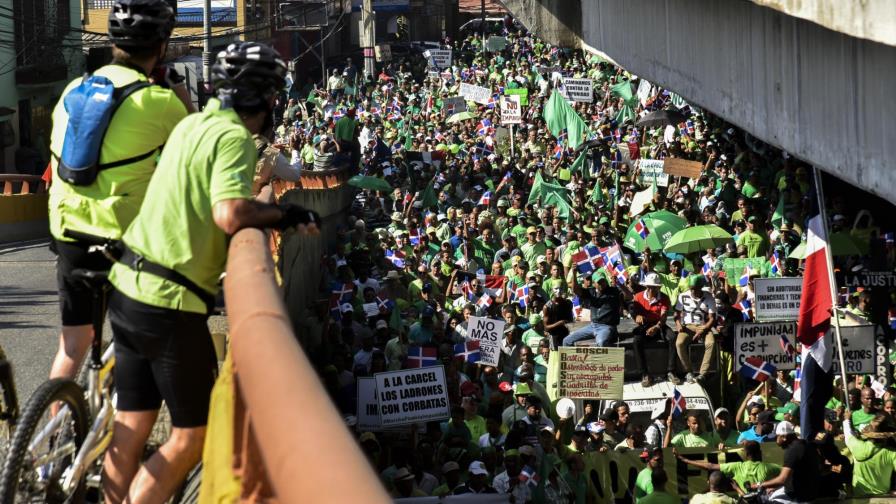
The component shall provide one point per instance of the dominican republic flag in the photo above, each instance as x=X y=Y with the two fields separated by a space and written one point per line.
x=484 y=301
x=576 y=307
x=745 y=306
x=797 y=379
x=492 y=102
x=707 y=270
x=891 y=318
x=813 y=324
x=384 y=304
x=467 y=290
x=529 y=477
x=338 y=114
x=467 y=351
x=757 y=369
x=775 y=264
x=583 y=262
x=486 y=198
x=342 y=293
x=492 y=284
x=558 y=151
x=522 y=295
x=507 y=177
x=745 y=277
x=419 y=357
x=375 y=110
x=787 y=346
x=396 y=257
x=641 y=228
x=414 y=235
x=485 y=127
x=617 y=135
x=393 y=111
x=679 y=405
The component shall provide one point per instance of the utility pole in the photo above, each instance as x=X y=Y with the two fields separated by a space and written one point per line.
x=207 y=45
x=483 y=25
x=368 y=37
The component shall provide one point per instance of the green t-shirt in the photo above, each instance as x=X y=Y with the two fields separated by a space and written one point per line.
x=141 y=124
x=749 y=472
x=643 y=484
x=345 y=129
x=874 y=465
x=756 y=244
x=660 y=497
x=685 y=439
x=861 y=419
x=476 y=426
x=210 y=157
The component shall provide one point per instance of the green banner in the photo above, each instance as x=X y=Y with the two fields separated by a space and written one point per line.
x=734 y=268
x=522 y=92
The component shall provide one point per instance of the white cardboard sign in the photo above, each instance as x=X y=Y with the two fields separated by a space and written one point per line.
x=511 y=110
x=578 y=90
x=488 y=332
x=475 y=93
x=778 y=298
x=412 y=395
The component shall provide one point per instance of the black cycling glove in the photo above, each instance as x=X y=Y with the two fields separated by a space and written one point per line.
x=294 y=215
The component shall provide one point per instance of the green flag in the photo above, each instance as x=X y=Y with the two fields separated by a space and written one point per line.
x=624 y=91
x=429 y=198
x=559 y=115
x=778 y=215
x=557 y=199
x=579 y=164
x=597 y=194
x=395 y=319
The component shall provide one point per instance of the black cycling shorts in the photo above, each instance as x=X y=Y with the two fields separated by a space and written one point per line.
x=162 y=354
x=75 y=298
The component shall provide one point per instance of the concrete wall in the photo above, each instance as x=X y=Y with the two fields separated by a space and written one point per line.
x=868 y=19
x=818 y=94
x=300 y=256
x=558 y=21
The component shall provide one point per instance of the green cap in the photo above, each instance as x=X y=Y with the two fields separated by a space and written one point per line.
x=534 y=319
x=695 y=281
x=522 y=389
x=790 y=408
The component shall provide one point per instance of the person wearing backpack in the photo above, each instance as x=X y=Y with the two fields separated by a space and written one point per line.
x=167 y=277
x=108 y=129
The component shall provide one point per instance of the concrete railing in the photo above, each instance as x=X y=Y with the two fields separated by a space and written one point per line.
x=300 y=257
x=23 y=208
x=305 y=449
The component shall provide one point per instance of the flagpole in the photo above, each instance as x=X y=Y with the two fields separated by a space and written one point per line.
x=833 y=285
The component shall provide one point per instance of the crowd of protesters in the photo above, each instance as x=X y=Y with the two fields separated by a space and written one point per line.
x=472 y=226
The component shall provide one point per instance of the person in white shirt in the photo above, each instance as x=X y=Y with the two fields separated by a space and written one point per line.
x=508 y=482
x=695 y=315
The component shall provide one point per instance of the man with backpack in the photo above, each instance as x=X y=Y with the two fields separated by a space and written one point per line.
x=167 y=277
x=108 y=129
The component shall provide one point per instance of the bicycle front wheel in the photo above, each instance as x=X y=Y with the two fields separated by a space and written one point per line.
x=44 y=445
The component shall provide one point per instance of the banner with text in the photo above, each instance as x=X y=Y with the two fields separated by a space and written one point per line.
x=591 y=372
x=735 y=267
x=578 y=90
x=859 y=348
x=778 y=298
x=495 y=43
x=475 y=93
x=650 y=170
x=523 y=93
x=511 y=110
x=455 y=104
x=763 y=340
x=439 y=58
x=412 y=395
x=682 y=167
x=488 y=333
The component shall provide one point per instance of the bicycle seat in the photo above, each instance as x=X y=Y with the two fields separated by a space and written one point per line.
x=93 y=278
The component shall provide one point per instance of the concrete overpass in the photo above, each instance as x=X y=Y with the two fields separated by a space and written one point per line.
x=813 y=78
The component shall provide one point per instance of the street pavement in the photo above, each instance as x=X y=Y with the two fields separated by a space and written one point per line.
x=29 y=312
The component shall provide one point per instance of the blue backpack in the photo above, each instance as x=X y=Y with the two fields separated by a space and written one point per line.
x=90 y=107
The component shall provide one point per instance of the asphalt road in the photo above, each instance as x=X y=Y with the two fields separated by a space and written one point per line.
x=29 y=312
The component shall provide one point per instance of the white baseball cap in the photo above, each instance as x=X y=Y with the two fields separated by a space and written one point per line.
x=478 y=467
x=651 y=280
x=784 y=428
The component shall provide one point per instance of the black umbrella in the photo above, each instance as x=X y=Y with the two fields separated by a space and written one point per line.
x=661 y=118
x=590 y=144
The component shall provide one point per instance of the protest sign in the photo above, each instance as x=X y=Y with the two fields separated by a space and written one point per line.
x=495 y=43
x=511 y=111
x=682 y=167
x=523 y=93
x=763 y=340
x=591 y=372
x=439 y=58
x=650 y=170
x=475 y=93
x=488 y=332
x=383 y=52
x=881 y=356
x=578 y=90
x=433 y=74
x=868 y=279
x=858 y=349
x=455 y=104
x=368 y=411
x=778 y=298
x=412 y=395
x=643 y=93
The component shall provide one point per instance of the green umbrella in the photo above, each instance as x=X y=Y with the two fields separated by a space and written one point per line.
x=842 y=244
x=372 y=183
x=697 y=239
x=461 y=116
x=660 y=225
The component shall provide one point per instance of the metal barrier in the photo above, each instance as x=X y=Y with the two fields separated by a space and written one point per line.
x=307 y=452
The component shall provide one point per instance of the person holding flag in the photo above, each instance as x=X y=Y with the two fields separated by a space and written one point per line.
x=605 y=303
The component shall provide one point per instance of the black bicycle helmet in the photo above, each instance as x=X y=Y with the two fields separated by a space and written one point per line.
x=140 y=23
x=249 y=73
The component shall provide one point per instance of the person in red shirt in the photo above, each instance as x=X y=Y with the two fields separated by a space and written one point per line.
x=649 y=309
